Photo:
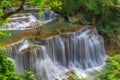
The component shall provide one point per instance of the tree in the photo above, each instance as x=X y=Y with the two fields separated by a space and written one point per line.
x=5 y=4
x=65 y=8
x=102 y=13
x=113 y=5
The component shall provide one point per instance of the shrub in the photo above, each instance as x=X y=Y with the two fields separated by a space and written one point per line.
x=112 y=70
x=75 y=77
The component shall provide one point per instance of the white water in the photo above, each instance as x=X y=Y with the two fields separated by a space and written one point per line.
x=79 y=52
x=28 y=21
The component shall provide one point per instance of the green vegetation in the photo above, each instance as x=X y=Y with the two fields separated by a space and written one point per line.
x=6 y=68
x=75 y=77
x=112 y=70
x=7 y=4
x=7 y=71
x=104 y=14
x=30 y=76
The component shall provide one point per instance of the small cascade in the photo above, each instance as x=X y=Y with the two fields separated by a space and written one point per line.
x=28 y=21
x=80 y=52
x=49 y=16
x=22 y=22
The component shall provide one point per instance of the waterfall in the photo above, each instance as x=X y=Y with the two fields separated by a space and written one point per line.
x=29 y=20
x=49 y=16
x=55 y=57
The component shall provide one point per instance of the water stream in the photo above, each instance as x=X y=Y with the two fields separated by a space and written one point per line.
x=26 y=21
x=80 y=52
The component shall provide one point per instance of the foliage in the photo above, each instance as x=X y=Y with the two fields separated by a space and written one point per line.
x=7 y=71
x=98 y=12
x=59 y=31
x=108 y=31
x=56 y=79
x=6 y=67
x=112 y=70
x=30 y=75
x=110 y=21
x=75 y=77
x=4 y=35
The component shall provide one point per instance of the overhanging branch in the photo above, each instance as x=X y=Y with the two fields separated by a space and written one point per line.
x=6 y=15
x=113 y=5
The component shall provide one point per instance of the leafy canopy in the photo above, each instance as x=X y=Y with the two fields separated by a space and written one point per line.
x=112 y=70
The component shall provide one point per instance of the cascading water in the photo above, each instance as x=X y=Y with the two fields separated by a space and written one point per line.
x=80 y=52
x=49 y=16
x=28 y=21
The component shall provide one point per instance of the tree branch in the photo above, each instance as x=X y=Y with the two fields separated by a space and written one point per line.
x=5 y=16
x=113 y=5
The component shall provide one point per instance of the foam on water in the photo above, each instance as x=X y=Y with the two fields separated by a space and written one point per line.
x=28 y=21
x=79 y=52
